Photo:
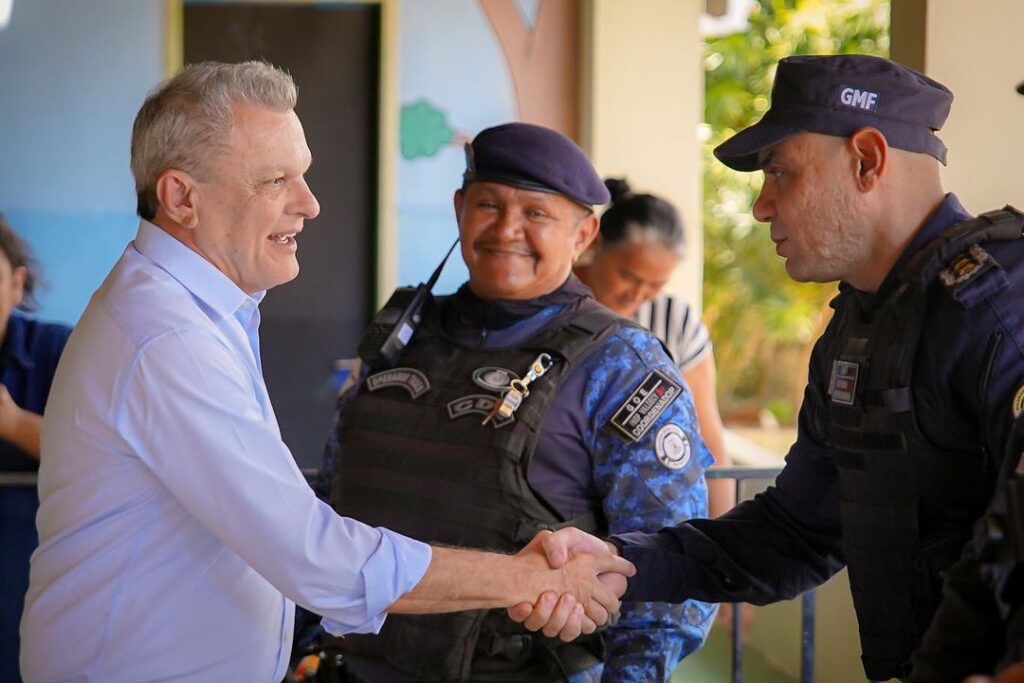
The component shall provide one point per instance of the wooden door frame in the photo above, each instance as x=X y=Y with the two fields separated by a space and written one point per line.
x=385 y=237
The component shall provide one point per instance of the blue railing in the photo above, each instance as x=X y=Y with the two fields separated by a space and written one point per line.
x=740 y=475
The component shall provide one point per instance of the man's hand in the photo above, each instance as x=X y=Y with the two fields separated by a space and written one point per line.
x=564 y=616
x=20 y=427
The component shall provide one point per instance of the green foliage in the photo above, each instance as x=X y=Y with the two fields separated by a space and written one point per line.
x=762 y=322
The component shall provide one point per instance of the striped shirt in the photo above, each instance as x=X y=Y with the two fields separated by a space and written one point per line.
x=675 y=323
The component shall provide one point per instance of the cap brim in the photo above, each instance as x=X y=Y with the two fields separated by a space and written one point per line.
x=741 y=150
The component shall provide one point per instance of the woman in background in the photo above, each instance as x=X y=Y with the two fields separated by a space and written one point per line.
x=640 y=244
x=29 y=351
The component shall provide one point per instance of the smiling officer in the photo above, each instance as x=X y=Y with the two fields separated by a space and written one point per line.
x=523 y=404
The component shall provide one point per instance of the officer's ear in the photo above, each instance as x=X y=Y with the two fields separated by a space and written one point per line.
x=457 y=200
x=586 y=231
x=869 y=153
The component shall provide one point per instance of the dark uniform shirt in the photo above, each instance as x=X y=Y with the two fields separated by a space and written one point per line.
x=28 y=360
x=580 y=465
x=787 y=540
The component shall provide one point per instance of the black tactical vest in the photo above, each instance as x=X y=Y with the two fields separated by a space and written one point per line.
x=416 y=459
x=999 y=544
x=907 y=505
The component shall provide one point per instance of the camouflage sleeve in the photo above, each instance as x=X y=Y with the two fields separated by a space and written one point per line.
x=649 y=463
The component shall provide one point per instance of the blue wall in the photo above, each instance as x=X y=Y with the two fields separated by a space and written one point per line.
x=451 y=59
x=72 y=76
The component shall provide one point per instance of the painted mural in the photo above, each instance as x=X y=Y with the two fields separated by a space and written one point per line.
x=467 y=65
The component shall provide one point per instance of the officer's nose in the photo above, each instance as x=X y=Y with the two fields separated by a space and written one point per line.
x=764 y=205
x=508 y=225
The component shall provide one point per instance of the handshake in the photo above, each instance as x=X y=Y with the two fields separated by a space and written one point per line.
x=589 y=578
x=565 y=583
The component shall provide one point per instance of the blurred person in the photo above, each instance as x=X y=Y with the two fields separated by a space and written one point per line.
x=176 y=531
x=601 y=436
x=640 y=244
x=913 y=387
x=29 y=351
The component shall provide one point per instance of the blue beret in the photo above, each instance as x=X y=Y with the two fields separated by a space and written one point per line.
x=838 y=94
x=534 y=158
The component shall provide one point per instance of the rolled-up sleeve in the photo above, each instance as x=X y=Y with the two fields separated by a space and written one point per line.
x=189 y=410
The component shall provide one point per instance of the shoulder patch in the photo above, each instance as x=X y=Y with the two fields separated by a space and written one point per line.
x=648 y=401
x=410 y=379
x=973 y=276
x=1018 y=402
x=672 y=446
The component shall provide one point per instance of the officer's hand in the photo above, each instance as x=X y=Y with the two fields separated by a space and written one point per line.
x=563 y=616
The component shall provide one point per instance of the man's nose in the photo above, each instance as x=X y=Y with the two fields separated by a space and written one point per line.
x=309 y=207
x=764 y=205
x=508 y=224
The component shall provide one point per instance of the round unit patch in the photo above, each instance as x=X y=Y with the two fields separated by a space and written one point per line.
x=1018 y=402
x=672 y=446
x=493 y=379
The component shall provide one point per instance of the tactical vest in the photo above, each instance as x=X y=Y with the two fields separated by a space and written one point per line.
x=999 y=545
x=907 y=506
x=417 y=459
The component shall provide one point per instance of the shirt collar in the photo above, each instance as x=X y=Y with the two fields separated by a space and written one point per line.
x=195 y=273
x=14 y=343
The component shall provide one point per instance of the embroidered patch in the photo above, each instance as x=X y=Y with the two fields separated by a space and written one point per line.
x=410 y=379
x=966 y=267
x=672 y=447
x=477 y=404
x=1018 y=402
x=843 y=386
x=493 y=379
x=645 y=405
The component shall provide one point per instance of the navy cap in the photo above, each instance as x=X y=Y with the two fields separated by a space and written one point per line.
x=534 y=158
x=838 y=94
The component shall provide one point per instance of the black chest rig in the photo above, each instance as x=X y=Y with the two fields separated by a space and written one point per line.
x=907 y=505
x=999 y=544
x=416 y=459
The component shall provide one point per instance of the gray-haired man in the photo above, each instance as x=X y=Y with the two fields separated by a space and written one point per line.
x=175 y=529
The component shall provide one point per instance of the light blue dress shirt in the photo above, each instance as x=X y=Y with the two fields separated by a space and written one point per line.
x=175 y=528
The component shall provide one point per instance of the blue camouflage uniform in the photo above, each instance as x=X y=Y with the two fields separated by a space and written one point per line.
x=583 y=465
x=581 y=462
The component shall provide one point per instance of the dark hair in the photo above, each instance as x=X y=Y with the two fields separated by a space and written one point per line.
x=16 y=252
x=632 y=216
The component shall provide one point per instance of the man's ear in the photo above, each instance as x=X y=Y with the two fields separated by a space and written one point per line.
x=870 y=154
x=178 y=195
x=586 y=231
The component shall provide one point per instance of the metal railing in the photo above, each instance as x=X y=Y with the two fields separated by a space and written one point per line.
x=740 y=475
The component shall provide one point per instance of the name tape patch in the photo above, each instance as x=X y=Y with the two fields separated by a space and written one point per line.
x=842 y=388
x=856 y=98
x=410 y=379
x=645 y=405
x=477 y=404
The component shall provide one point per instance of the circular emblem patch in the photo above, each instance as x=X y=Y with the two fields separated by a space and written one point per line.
x=1018 y=402
x=672 y=446
x=493 y=379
